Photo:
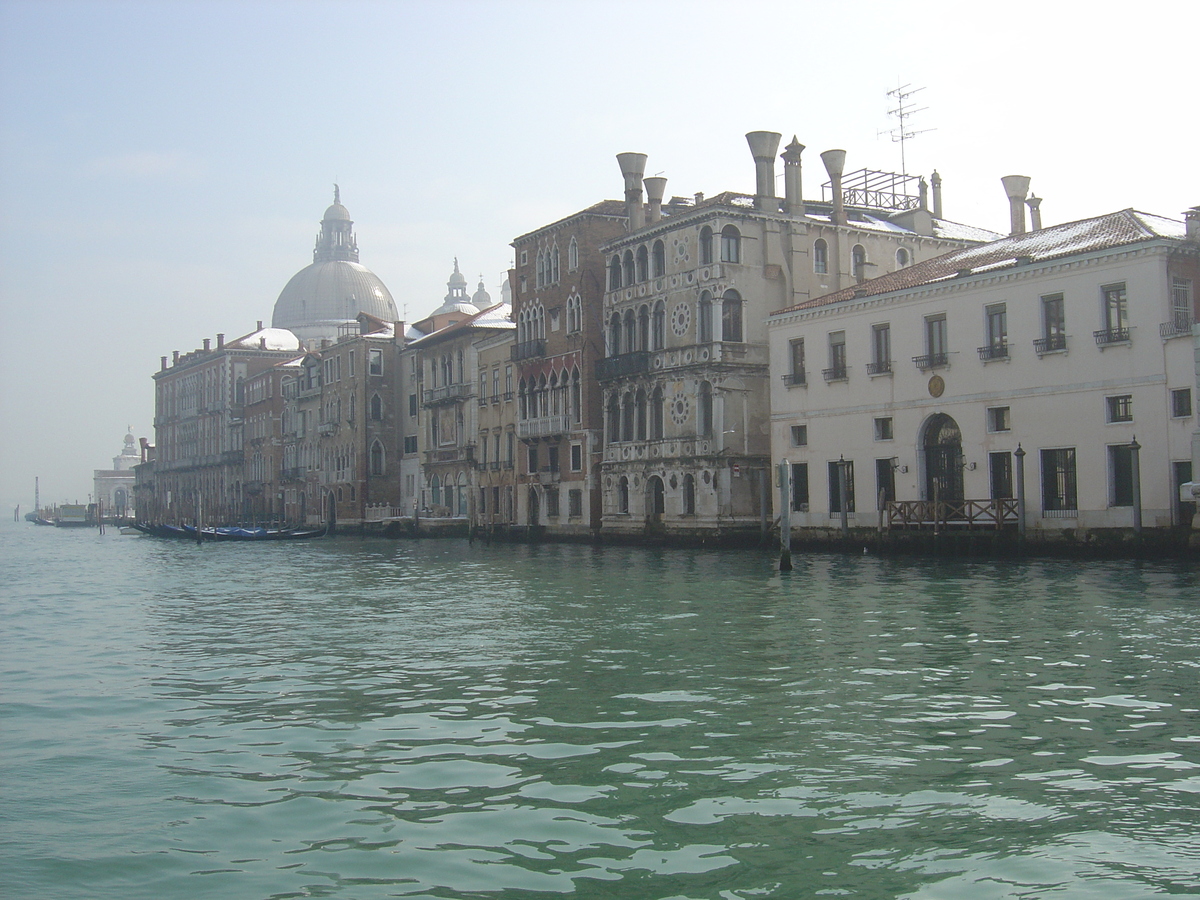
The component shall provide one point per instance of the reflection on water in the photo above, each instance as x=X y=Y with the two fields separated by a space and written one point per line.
x=371 y=719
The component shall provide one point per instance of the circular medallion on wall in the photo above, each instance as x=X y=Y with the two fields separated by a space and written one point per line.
x=937 y=386
x=681 y=409
x=681 y=319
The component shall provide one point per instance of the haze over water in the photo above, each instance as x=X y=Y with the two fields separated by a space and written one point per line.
x=365 y=719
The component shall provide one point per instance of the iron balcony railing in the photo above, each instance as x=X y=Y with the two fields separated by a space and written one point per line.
x=1050 y=344
x=635 y=363
x=932 y=361
x=446 y=394
x=835 y=373
x=1111 y=336
x=993 y=351
x=880 y=368
x=795 y=379
x=528 y=350
x=1179 y=326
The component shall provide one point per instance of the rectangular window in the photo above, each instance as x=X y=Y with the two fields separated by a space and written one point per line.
x=412 y=406
x=351 y=364
x=796 y=370
x=883 y=428
x=885 y=482
x=495 y=501
x=524 y=257
x=800 y=487
x=881 y=349
x=575 y=503
x=1120 y=475
x=483 y=492
x=508 y=383
x=552 y=462
x=496 y=383
x=996 y=328
x=936 y=340
x=1058 y=482
x=1000 y=467
x=1181 y=304
x=375 y=362
x=329 y=371
x=552 y=502
x=533 y=459
x=577 y=457
x=512 y=449
x=553 y=327
x=339 y=368
x=482 y=384
x=837 y=356
x=998 y=419
x=1120 y=408
x=1116 y=309
x=835 y=500
x=799 y=435
x=1181 y=403
x=410 y=443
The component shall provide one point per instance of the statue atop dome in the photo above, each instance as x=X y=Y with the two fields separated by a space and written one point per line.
x=336 y=240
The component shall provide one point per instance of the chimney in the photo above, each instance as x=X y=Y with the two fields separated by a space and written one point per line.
x=1035 y=212
x=1191 y=220
x=656 y=186
x=835 y=161
x=174 y=357
x=164 y=364
x=262 y=343
x=207 y=345
x=793 y=193
x=923 y=200
x=220 y=340
x=259 y=328
x=633 y=165
x=1016 y=186
x=699 y=197
x=763 y=145
x=936 y=180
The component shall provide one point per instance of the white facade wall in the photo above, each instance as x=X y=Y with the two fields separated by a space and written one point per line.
x=1055 y=400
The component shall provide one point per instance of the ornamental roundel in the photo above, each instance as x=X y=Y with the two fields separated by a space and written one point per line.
x=681 y=319
x=681 y=409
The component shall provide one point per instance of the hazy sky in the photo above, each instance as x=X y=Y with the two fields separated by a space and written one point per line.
x=164 y=165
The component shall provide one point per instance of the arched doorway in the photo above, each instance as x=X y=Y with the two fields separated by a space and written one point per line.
x=942 y=446
x=533 y=506
x=656 y=504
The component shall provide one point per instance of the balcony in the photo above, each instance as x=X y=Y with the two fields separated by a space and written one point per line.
x=880 y=368
x=836 y=373
x=448 y=394
x=544 y=426
x=993 y=351
x=795 y=379
x=932 y=361
x=483 y=401
x=1107 y=336
x=1055 y=343
x=528 y=350
x=465 y=453
x=327 y=428
x=635 y=363
x=1179 y=326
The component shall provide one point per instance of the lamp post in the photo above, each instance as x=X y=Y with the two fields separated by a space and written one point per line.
x=1020 y=455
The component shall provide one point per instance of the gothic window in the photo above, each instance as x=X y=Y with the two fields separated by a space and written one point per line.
x=820 y=257
x=377 y=458
x=573 y=255
x=376 y=407
x=614 y=273
x=706 y=246
x=658 y=260
x=704 y=319
x=629 y=276
x=643 y=264
x=731 y=244
x=731 y=316
x=658 y=326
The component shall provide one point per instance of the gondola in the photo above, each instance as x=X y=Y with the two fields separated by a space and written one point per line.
x=230 y=533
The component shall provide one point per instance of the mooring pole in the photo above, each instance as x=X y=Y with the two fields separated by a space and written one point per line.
x=1136 y=474
x=785 y=517
x=1020 y=455
x=842 y=496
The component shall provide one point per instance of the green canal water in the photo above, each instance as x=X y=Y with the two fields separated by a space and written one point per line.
x=365 y=719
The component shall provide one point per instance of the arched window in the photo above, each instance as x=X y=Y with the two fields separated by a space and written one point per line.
x=538 y=280
x=731 y=244
x=630 y=342
x=704 y=319
x=377 y=458
x=858 y=263
x=704 y=411
x=614 y=273
x=552 y=268
x=903 y=257
x=657 y=410
x=821 y=257
x=555 y=397
x=627 y=413
x=689 y=495
x=522 y=400
x=435 y=491
x=627 y=267
x=658 y=260
x=376 y=407
x=623 y=495
x=640 y=404
x=644 y=328
x=614 y=419
x=614 y=335
x=573 y=255
x=731 y=316
x=576 y=397
x=706 y=246
x=658 y=326
x=643 y=263
x=462 y=374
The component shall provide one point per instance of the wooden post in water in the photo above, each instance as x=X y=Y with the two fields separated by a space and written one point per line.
x=1020 y=455
x=785 y=516
x=842 y=496
x=1136 y=473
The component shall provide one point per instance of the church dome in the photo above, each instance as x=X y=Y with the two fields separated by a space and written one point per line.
x=323 y=297
x=481 y=298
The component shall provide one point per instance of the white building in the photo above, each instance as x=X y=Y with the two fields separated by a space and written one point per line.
x=1067 y=343
x=114 y=487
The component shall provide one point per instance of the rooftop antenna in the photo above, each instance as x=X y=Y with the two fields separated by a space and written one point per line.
x=903 y=112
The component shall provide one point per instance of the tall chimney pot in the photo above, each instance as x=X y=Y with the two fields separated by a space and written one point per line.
x=164 y=363
x=633 y=166
x=174 y=357
x=1016 y=187
x=207 y=345
x=1191 y=220
x=763 y=146
x=259 y=328
x=835 y=162
x=936 y=180
x=1035 y=212
x=656 y=186
x=220 y=340
x=793 y=186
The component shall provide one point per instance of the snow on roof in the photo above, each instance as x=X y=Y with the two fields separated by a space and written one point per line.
x=1087 y=235
x=496 y=317
x=274 y=338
